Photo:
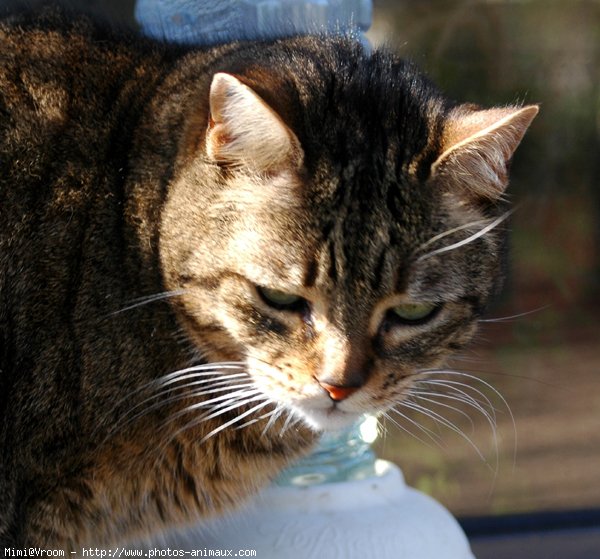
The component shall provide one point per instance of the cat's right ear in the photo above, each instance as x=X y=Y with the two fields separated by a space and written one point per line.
x=477 y=146
x=244 y=131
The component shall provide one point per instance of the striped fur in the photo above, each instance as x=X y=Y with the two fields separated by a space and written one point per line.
x=144 y=379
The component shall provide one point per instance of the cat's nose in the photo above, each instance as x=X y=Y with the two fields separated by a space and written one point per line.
x=338 y=393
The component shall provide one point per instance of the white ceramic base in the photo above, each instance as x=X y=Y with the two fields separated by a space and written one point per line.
x=378 y=518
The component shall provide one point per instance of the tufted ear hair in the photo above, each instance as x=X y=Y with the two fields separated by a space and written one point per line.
x=244 y=131
x=477 y=146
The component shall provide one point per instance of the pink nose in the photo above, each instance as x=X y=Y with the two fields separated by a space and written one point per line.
x=339 y=393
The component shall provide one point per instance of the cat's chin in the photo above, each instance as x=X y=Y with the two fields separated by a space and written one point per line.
x=330 y=419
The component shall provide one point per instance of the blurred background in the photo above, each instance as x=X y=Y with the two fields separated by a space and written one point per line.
x=545 y=364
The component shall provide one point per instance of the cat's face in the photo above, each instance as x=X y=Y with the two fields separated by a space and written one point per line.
x=336 y=283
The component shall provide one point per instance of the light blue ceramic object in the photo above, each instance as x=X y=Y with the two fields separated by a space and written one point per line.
x=338 y=503
x=210 y=22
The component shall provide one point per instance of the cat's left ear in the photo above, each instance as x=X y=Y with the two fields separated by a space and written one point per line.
x=477 y=146
x=243 y=130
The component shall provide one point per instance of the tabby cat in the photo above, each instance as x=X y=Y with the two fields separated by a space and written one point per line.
x=209 y=256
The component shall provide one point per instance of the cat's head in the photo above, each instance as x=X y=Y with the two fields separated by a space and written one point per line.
x=340 y=228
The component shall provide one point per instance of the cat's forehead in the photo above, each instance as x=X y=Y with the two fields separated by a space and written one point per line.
x=369 y=204
x=351 y=241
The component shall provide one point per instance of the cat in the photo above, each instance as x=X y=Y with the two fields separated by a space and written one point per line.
x=207 y=257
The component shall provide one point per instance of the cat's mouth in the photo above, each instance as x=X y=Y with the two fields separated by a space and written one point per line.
x=311 y=402
x=330 y=418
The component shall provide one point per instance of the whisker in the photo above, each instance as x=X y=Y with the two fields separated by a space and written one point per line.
x=257 y=419
x=430 y=397
x=514 y=316
x=220 y=386
x=452 y=386
x=150 y=299
x=291 y=420
x=491 y=419
x=473 y=358
x=519 y=377
x=446 y=423
x=207 y=368
x=214 y=377
x=428 y=432
x=276 y=415
x=453 y=230
x=235 y=419
x=214 y=371
x=476 y=378
x=221 y=401
x=461 y=395
x=469 y=239
x=382 y=430
x=238 y=402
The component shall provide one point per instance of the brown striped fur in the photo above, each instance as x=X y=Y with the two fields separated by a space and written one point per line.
x=130 y=168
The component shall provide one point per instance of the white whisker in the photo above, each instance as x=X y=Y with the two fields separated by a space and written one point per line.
x=150 y=299
x=454 y=230
x=430 y=397
x=214 y=377
x=207 y=369
x=514 y=316
x=238 y=402
x=253 y=396
x=219 y=400
x=218 y=387
x=235 y=419
x=443 y=372
x=204 y=368
x=428 y=432
x=441 y=420
x=290 y=421
x=453 y=384
x=467 y=398
x=457 y=397
x=260 y=418
x=469 y=239
x=276 y=415
x=468 y=358
x=161 y=386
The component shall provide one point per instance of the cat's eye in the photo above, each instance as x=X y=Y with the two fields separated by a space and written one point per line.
x=415 y=313
x=281 y=300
